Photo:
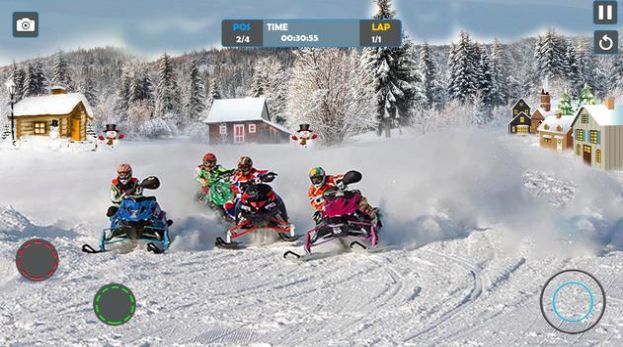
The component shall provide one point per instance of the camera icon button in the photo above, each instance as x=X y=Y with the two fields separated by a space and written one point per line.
x=25 y=24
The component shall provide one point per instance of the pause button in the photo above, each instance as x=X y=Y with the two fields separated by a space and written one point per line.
x=605 y=12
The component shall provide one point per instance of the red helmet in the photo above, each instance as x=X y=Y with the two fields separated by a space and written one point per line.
x=124 y=171
x=209 y=159
x=245 y=164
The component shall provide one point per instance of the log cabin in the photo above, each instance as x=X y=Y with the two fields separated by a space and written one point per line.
x=35 y=115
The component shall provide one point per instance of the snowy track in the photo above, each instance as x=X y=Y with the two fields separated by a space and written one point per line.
x=463 y=285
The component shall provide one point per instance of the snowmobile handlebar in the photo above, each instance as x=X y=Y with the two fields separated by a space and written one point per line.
x=151 y=182
x=266 y=178
x=349 y=178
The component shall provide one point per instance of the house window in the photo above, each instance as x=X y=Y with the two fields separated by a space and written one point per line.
x=579 y=134
x=584 y=118
x=40 y=128
x=547 y=140
x=522 y=119
x=546 y=127
x=222 y=130
x=595 y=137
x=559 y=128
x=598 y=156
x=252 y=128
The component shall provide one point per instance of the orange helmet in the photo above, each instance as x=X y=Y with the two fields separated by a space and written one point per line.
x=124 y=171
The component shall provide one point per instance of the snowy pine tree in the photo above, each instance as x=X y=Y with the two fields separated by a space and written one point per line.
x=573 y=74
x=167 y=92
x=91 y=133
x=410 y=82
x=18 y=76
x=61 y=76
x=6 y=131
x=35 y=83
x=586 y=96
x=564 y=106
x=213 y=94
x=428 y=75
x=463 y=62
x=393 y=72
x=195 y=95
x=616 y=76
x=258 y=84
x=500 y=75
x=87 y=85
x=550 y=53
x=484 y=79
x=141 y=88
x=122 y=100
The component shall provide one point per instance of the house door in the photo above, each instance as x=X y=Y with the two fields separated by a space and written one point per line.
x=587 y=154
x=559 y=143
x=238 y=133
x=75 y=129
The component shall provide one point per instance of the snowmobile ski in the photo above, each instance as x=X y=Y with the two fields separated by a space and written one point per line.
x=220 y=243
x=288 y=238
x=151 y=247
x=86 y=248
x=357 y=247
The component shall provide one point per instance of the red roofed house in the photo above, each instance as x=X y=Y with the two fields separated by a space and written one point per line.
x=244 y=120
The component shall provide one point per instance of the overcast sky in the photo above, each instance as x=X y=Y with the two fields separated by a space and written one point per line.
x=148 y=27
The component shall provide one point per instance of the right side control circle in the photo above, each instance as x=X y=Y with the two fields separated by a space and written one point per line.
x=573 y=301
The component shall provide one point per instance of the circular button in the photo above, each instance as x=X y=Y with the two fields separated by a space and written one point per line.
x=36 y=260
x=573 y=301
x=114 y=304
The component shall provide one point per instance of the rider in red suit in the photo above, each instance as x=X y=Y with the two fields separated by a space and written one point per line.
x=246 y=173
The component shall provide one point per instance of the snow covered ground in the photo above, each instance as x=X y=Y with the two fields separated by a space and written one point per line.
x=479 y=220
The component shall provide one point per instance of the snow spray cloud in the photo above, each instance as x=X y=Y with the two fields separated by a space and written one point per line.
x=433 y=187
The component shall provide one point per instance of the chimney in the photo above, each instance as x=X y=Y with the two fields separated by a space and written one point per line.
x=558 y=115
x=57 y=90
x=609 y=102
x=546 y=101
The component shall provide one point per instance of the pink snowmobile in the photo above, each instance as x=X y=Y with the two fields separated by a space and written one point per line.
x=341 y=219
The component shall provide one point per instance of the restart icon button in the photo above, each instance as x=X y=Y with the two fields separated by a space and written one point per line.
x=606 y=42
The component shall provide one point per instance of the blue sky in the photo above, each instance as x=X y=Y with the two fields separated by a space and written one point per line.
x=148 y=27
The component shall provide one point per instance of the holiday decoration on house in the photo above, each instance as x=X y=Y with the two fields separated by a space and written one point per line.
x=111 y=135
x=304 y=135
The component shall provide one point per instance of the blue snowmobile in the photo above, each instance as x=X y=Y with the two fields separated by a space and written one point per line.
x=139 y=219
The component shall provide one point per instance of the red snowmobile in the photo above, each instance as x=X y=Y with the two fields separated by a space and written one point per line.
x=259 y=208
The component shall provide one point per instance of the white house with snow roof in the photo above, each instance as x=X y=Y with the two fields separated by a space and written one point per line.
x=244 y=120
x=36 y=115
x=555 y=132
x=598 y=135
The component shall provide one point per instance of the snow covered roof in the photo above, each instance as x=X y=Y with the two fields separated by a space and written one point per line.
x=517 y=102
x=278 y=126
x=553 y=122
x=602 y=115
x=236 y=110
x=58 y=104
x=545 y=114
x=520 y=114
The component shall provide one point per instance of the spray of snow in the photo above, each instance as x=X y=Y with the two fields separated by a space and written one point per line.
x=434 y=187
